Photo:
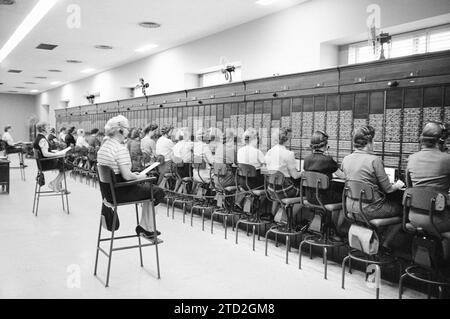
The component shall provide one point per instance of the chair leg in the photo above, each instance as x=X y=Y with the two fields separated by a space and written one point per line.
x=203 y=219
x=139 y=237
x=212 y=223
x=184 y=213
x=343 y=270
x=111 y=246
x=237 y=230
x=192 y=216
x=266 y=241
x=325 y=261
x=400 y=285
x=98 y=245
x=441 y=292
x=288 y=246
x=226 y=225
x=37 y=202
x=300 y=255
x=156 y=239
x=65 y=193
x=35 y=196
x=167 y=204
x=253 y=236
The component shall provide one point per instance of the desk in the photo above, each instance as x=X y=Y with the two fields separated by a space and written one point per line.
x=4 y=175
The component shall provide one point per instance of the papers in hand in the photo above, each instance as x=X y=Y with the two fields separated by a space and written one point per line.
x=64 y=151
x=150 y=168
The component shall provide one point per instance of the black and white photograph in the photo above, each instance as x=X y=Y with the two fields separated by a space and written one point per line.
x=227 y=155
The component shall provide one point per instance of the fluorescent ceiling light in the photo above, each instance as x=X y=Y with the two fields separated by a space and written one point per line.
x=34 y=91
x=89 y=70
x=147 y=48
x=265 y=2
x=55 y=83
x=32 y=19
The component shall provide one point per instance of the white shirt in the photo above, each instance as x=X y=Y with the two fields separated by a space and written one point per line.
x=8 y=139
x=148 y=145
x=279 y=158
x=228 y=148
x=164 y=147
x=250 y=155
x=183 y=150
x=81 y=142
x=113 y=154
x=62 y=136
x=202 y=150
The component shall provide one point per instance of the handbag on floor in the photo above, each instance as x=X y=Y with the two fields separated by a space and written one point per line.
x=363 y=239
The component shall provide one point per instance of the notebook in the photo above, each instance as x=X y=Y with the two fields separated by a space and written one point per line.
x=391 y=174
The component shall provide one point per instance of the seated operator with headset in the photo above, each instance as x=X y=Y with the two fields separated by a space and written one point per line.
x=430 y=167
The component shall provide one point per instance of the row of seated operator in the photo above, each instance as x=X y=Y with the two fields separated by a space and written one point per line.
x=122 y=146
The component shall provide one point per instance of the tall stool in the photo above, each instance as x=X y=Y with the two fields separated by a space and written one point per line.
x=225 y=207
x=200 y=189
x=274 y=183
x=252 y=216
x=38 y=193
x=425 y=265
x=182 y=188
x=4 y=175
x=366 y=251
x=106 y=175
x=321 y=237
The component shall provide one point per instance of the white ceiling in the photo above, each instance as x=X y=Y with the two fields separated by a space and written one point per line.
x=113 y=23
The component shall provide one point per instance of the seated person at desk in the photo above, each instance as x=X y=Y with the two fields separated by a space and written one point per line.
x=279 y=158
x=62 y=134
x=11 y=146
x=92 y=139
x=114 y=153
x=81 y=141
x=41 y=145
x=148 y=144
x=134 y=147
x=251 y=155
x=319 y=161
x=183 y=150
x=69 y=139
x=430 y=167
x=164 y=147
x=202 y=150
x=225 y=154
x=362 y=165
x=53 y=140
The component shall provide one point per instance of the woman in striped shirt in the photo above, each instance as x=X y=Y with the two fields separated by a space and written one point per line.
x=114 y=153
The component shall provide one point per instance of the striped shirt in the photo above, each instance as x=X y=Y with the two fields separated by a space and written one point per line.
x=113 y=154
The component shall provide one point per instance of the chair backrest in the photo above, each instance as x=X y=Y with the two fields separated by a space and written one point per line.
x=106 y=174
x=220 y=169
x=360 y=191
x=246 y=170
x=315 y=180
x=273 y=185
x=178 y=162
x=199 y=163
x=425 y=199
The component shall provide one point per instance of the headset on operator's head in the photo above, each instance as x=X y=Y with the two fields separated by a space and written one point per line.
x=319 y=140
x=435 y=132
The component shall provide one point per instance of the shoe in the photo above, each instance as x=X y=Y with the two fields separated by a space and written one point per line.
x=145 y=233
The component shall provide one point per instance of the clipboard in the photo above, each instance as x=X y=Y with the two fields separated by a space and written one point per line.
x=150 y=168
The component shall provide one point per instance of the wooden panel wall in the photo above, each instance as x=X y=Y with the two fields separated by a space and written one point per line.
x=397 y=97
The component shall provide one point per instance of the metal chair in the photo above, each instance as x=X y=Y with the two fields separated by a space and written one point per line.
x=106 y=176
x=200 y=188
x=425 y=260
x=320 y=236
x=252 y=216
x=37 y=188
x=365 y=193
x=274 y=183
x=182 y=188
x=225 y=205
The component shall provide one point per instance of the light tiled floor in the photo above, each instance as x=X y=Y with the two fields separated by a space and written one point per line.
x=52 y=256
